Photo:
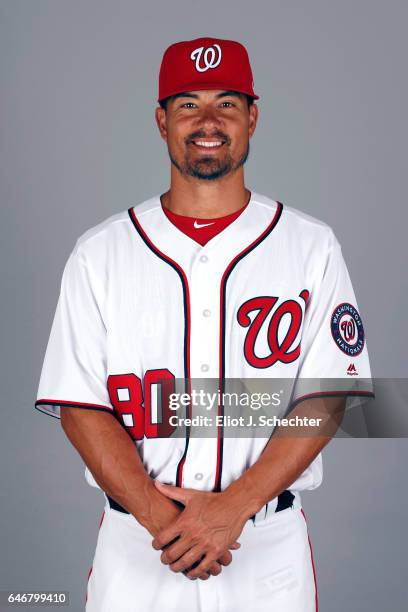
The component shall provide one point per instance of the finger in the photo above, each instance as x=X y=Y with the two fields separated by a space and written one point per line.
x=215 y=569
x=166 y=536
x=235 y=546
x=188 y=559
x=204 y=576
x=225 y=559
x=202 y=567
x=176 y=550
x=177 y=493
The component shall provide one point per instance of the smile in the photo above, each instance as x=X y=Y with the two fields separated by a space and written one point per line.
x=208 y=144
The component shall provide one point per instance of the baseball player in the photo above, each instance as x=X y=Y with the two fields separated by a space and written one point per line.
x=209 y=281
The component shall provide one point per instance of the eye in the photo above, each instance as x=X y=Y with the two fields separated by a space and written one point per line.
x=230 y=103
x=185 y=104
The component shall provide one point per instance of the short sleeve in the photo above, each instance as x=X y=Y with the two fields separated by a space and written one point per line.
x=334 y=358
x=74 y=367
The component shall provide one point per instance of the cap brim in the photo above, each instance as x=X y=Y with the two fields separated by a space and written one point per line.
x=204 y=87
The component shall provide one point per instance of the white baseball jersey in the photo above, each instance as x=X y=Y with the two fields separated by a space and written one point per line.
x=142 y=303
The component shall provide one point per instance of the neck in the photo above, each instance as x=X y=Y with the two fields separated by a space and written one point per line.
x=206 y=199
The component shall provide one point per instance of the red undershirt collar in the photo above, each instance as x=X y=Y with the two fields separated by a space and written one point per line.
x=201 y=230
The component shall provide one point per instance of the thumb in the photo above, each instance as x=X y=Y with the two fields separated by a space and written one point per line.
x=177 y=493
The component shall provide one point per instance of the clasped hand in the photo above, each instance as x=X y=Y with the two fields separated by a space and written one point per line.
x=204 y=532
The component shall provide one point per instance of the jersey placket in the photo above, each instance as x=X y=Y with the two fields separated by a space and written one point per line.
x=205 y=275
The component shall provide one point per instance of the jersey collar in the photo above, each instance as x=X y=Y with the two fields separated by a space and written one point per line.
x=225 y=246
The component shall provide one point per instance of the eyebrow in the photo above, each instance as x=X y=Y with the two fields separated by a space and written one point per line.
x=187 y=94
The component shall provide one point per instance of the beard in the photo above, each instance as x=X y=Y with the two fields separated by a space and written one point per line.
x=209 y=168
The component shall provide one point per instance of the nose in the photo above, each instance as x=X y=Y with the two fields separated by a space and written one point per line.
x=208 y=118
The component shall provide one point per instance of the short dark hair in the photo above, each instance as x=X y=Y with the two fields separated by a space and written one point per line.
x=163 y=103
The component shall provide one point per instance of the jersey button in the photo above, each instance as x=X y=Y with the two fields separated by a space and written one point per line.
x=198 y=476
x=205 y=367
x=206 y=313
x=203 y=258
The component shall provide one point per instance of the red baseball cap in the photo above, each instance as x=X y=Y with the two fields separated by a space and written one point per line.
x=205 y=63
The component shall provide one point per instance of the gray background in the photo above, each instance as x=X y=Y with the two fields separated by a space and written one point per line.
x=79 y=143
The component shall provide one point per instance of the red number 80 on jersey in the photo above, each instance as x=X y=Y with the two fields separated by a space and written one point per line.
x=143 y=407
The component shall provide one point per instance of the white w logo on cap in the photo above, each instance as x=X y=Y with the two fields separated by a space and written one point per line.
x=208 y=58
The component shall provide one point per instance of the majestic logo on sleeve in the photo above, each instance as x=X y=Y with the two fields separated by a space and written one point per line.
x=283 y=328
x=347 y=329
x=210 y=59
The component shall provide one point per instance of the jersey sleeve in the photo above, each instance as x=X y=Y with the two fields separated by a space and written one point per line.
x=74 y=368
x=334 y=358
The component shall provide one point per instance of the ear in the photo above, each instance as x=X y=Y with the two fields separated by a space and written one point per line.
x=161 y=120
x=253 y=119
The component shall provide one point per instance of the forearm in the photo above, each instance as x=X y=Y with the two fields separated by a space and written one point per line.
x=285 y=457
x=281 y=463
x=114 y=461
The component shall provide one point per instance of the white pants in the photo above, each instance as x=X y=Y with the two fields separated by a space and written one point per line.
x=272 y=571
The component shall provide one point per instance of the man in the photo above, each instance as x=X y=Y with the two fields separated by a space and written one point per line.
x=209 y=281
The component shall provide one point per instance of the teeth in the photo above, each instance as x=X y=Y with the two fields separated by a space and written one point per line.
x=202 y=143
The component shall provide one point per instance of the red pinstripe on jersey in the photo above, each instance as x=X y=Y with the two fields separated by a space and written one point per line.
x=91 y=568
x=313 y=565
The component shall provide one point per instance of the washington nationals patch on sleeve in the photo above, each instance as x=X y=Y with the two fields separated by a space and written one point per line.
x=347 y=329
